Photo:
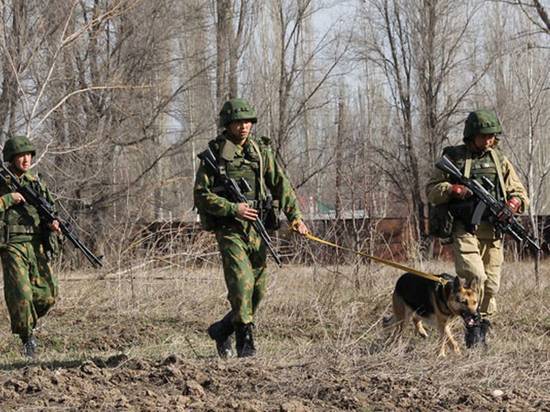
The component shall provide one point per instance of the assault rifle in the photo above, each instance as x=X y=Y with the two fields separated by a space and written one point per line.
x=234 y=190
x=46 y=212
x=499 y=214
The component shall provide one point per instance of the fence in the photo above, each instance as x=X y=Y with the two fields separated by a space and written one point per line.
x=391 y=238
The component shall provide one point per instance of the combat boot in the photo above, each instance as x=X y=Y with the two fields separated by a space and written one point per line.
x=221 y=332
x=245 y=340
x=29 y=347
x=476 y=331
x=484 y=327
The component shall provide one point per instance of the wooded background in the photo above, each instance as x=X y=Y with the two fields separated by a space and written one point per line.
x=358 y=97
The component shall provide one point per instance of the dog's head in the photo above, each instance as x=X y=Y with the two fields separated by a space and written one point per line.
x=463 y=298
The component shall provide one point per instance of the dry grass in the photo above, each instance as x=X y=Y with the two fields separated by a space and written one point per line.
x=319 y=335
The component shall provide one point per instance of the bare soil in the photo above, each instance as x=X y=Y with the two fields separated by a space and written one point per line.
x=137 y=341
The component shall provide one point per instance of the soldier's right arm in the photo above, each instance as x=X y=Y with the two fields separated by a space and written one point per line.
x=438 y=188
x=206 y=200
x=10 y=199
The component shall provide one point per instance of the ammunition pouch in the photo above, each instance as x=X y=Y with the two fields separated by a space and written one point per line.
x=270 y=214
x=440 y=221
x=4 y=235
x=463 y=210
x=52 y=244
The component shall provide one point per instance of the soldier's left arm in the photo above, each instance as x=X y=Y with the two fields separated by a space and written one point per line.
x=514 y=187
x=281 y=189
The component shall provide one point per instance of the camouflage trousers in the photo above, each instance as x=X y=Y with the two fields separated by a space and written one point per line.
x=480 y=258
x=30 y=288
x=244 y=266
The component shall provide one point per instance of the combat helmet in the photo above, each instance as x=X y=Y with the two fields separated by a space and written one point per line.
x=236 y=109
x=17 y=145
x=481 y=121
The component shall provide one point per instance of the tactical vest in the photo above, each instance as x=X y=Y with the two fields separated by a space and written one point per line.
x=488 y=166
x=20 y=222
x=235 y=162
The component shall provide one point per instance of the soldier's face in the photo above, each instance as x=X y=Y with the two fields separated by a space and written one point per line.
x=22 y=161
x=240 y=129
x=484 y=142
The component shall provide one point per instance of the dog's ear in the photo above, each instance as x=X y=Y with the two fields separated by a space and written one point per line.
x=458 y=283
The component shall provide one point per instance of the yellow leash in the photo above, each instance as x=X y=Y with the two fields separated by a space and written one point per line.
x=430 y=276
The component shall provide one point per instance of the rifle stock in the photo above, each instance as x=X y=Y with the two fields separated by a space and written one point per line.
x=510 y=224
x=47 y=214
x=235 y=195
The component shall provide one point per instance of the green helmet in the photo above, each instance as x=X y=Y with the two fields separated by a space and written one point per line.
x=236 y=109
x=17 y=145
x=481 y=122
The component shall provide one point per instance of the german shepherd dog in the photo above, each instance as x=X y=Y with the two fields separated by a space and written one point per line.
x=419 y=299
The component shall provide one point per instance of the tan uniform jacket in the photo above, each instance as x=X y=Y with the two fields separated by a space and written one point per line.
x=438 y=191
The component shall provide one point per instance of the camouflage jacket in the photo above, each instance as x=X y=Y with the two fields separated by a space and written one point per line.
x=255 y=157
x=21 y=221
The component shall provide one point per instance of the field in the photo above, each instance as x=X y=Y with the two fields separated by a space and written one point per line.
x=136 y=341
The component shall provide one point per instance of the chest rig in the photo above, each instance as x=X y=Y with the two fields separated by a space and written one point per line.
x=486 y=166
x=243 y=162
x=19 y=222
x=486 y=169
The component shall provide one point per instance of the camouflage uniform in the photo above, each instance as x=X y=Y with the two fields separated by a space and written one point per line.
x=243 y=251
x=30 y=287
x=478 y=252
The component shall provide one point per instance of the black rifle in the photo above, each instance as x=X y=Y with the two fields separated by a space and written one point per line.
x=500 y=215
x=46 y=212
x=234 y=191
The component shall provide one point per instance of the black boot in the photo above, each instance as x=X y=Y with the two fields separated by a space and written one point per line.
x=29 y=346
x=221 y=332
x=484 y=327
x=476 y=331
x=245 y=340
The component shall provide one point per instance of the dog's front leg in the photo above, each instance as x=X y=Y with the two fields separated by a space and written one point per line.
x=443 y=346
x=451 y=340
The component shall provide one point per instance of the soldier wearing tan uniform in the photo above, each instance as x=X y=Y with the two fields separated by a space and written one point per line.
x=478 y=250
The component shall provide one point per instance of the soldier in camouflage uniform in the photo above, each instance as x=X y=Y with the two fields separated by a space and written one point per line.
x=30 y=287
x=241 y=154
x=478 y=250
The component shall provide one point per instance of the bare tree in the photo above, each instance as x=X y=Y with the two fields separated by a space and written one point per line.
x=234 y=28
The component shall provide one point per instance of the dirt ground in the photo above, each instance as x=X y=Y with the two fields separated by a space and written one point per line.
x=136 y=341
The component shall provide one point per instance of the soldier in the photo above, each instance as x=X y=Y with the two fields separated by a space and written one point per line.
x=30 y=287
x=478 y=250
x=241 y=154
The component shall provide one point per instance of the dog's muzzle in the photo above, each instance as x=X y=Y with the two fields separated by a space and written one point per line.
x=476 y=328
x=471 y=320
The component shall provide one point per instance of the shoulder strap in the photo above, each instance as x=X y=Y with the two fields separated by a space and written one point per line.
x=497 y=158
x=220 y=163
x=261 y=177
x=459 y=153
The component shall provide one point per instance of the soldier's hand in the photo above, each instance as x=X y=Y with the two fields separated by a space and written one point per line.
x=300 y=227
x=514 y=204
x=17 y=198
x=460 y=192
x=512 y=207
x=244 y=211
x=54 y=226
